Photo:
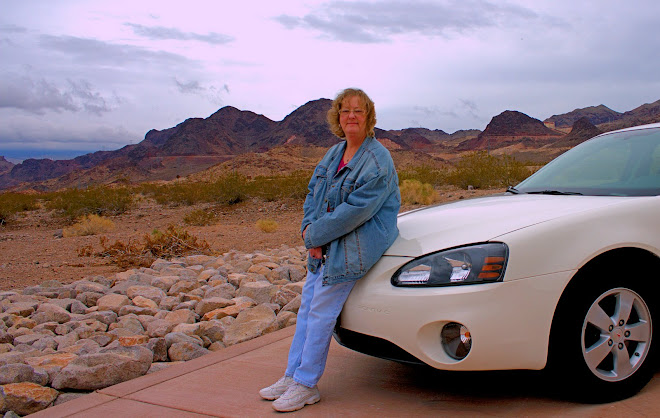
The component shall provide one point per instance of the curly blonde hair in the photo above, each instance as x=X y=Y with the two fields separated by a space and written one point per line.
x=333 y=113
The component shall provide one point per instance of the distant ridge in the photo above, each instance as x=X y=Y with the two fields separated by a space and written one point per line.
x=197 y=144
x=510 y=127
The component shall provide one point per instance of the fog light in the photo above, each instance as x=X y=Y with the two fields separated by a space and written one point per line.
x=456 y=340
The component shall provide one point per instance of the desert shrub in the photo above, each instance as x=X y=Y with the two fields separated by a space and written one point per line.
x=201 y=217
x=425 y=174
x=99 y=200
x=271 y=188
x=89 y=225
x=414 y=192
x=267 y=225
x=12 y=203
x=228 y=189
x=173 y=242
x=482 y=170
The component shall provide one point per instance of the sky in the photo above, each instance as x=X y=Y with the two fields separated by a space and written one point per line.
x=79 y=76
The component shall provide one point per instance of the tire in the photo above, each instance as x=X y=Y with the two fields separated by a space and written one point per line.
x=602 y=346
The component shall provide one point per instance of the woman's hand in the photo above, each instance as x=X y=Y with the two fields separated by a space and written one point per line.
x=313 y=252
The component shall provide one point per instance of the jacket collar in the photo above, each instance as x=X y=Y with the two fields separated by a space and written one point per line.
x=358 y=154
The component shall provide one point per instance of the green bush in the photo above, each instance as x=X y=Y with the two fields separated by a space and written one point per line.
x=414 y=192
x=201 y=217
x=229 y=189
x=12 y=203
x=424 y=174
x=271 y=188
x=99 y=200
x=482 y=170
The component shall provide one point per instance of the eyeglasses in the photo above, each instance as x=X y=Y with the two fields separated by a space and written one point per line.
x=356 y=112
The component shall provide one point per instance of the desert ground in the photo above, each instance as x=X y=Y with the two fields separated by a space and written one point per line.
x=33 y=250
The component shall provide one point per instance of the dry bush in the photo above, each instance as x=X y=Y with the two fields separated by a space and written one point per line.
x=12 y=203
x=267 y=225
x=174 y=242
x=201 y=217
x=414 y=192
x=89 y=225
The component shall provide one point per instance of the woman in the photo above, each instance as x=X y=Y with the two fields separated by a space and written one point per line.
x=349 y=222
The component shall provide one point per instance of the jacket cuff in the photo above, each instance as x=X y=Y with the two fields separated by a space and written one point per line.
x=308 y=240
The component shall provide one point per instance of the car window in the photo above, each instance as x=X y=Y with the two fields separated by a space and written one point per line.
x=616 y=164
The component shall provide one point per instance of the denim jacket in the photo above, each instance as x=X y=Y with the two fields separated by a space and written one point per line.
x=352 y=212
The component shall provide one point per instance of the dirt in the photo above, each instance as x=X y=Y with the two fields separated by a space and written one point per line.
x=32 y=249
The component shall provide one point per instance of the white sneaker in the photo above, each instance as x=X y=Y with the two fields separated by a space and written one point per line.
x=276 y=390
x=296 y=397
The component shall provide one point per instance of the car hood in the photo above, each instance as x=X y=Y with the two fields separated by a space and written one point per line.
x=483 y=219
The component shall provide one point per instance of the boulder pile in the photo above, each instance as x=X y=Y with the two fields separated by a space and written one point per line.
x=60 y=341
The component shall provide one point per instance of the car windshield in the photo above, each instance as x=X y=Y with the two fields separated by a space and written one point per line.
x=617 y=164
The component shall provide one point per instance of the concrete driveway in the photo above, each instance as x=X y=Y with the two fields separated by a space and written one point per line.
x=226 y=384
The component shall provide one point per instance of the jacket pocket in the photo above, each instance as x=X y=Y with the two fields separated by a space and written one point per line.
x=321 y=174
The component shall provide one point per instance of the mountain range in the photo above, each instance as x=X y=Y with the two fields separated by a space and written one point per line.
x=197 y=144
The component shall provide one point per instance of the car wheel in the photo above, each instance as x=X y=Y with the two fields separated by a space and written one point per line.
x=602 y=345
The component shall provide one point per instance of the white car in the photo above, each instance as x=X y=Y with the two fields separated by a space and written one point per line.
x=561 y=272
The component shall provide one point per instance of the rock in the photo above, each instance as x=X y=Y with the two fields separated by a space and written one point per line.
x=28 y=339
x=160 y=328
x=188 y=329
x=147 y=292
x=17 y=373
x=169 y=302
x=27 y=398
x=294 y=305
x=105 y=317
x=103 y=369
x=133 y=340
x=158 y=346
x=65 y=397
x=215 y=329
x=179 y=337
x=183 y=286
x=292 y=273
x=89 y=298
x=164 y=283
x=5 y=338
x=295 y=287
x=184 y=351
x=45 y=343
x=48 y=312
x=284 y=296
x=5 y=347
x=249 y=324
x=144 y=302
x=181 y=316
x=66 y=340
x=112 y=302
x=156 y=367
x=216 y=346
x=129 y=322
x=87 y=286
x=206 y=275
x=22 y=309
x=130 y=309
x=209 y=304
x=82 y=347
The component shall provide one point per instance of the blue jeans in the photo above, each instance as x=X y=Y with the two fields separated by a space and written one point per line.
x=319 y=309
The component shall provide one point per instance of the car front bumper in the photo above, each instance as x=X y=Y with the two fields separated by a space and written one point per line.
x=509 y=322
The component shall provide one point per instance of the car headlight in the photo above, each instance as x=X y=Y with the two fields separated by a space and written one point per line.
x=479 y=263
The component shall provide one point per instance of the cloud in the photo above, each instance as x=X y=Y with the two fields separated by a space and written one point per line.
x=211 y=93
x=163 y=33
x=95 y=52
x=39 y=95
x=369 y=22
x=12 y=29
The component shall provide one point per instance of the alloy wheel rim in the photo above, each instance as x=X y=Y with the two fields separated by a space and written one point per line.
x=616 y=334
